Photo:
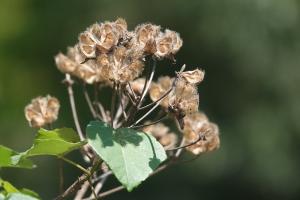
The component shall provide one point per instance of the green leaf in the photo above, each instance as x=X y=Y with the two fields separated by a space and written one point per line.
x=30 y=193
x=13 y=193
x=131 y=155
x=19 y=196
x=7 y=186
x=8 y=159
x=54 y=142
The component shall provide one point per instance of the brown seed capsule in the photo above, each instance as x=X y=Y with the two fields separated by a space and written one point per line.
x=146 y=35
x=184 y=97
x=42 y=111
x=198 y=125
x=168 y=44
x=137 y=85
x=87 y=44
x=121 y=66
x=162 y=133
x=157 y=90
x=65 y=64
x=192 y=77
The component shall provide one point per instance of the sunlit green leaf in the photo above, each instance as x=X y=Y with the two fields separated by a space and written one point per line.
x=131 y=155
x=10 y=192
x=8 y=187
x=54 y=142
x=8 y=159
x=29 y=192
x=19 y=196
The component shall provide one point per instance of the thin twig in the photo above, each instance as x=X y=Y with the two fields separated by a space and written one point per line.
x=75 y=165
x=145 y=91
x=187 y=145
x=152 y=123
x=69 y=82
x=80 y=193
x=89 y=102
x=145 y=115
x=92 y=188
x=112 y=108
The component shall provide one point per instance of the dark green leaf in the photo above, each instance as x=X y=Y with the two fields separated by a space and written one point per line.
x=132 y=155
x=8 y=159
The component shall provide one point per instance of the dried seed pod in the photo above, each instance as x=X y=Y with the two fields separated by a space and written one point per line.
x=102 y=37
x=137 y=85
x=157 y=90
x=65 y=64
x=87 y=43
x=42 y=111
x=145 y=36
x=198 y=125
x=162 y=133
x=168 y=44
x=122 y=65
x=192 y=77
x=184 y=97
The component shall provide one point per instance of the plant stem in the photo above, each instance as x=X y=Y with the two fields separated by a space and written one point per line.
x=112 y=108
x=75 y=165
x=89 y=102
x=69 y=82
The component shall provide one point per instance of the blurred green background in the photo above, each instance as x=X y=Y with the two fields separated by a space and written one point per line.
x=250 y=51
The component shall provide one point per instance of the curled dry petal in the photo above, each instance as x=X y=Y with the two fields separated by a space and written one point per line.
x=42 y=111
x=193 y=77
x=198 y=125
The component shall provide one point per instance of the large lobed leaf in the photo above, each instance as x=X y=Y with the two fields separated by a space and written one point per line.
x=7 y=156
x=54 y=142
x=132 y=155
x=47 y=142
x=9 y=192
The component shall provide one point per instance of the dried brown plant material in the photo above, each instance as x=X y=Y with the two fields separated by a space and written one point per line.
x=162 y=133
x=42 y=111
x=184 y=97
x=157 y=90
x=122 y=65
x=137 y=85
x=198 y=125
x=102 y=37
x=146 y=35
x=168 y=44
x=88 y=71
x=192 y=77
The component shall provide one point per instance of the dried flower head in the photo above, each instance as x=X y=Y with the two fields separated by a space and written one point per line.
x=198 y=125
x=168 y=44
x=145 y=37
x=184 y=97
x=42 y=111
x=137 y=85
x=102 y=37
x=162 y=133
x=121 y=66
x=74 y=64
x=158 y=89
